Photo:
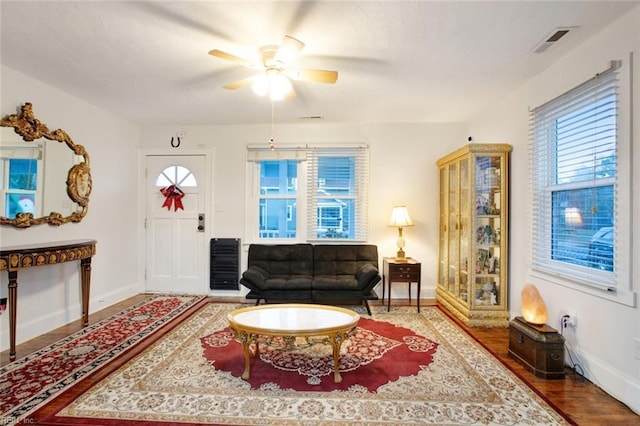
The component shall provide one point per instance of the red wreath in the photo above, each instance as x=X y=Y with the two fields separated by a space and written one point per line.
x=173 y=196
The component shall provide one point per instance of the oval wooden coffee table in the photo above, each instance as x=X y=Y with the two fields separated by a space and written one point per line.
x=290 y=321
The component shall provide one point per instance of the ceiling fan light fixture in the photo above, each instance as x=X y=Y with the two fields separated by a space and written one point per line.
x=260 y=85
x=280 y=86
x=274 y=84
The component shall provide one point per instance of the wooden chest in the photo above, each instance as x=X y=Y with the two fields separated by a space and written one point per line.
x=540 y=348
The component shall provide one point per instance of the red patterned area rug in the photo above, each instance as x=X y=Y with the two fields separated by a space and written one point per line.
x=32 y=381
x=399 y=368
x=377 y=353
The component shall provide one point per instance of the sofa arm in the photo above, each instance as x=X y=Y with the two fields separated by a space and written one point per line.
x=366 y=274
x=256 y=276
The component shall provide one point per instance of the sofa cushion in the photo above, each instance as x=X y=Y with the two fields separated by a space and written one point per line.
x=334 y=282
x=282 y=259
x=343 y=259
x=287 y=282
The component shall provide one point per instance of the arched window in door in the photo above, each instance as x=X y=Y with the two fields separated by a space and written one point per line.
x=176 y=175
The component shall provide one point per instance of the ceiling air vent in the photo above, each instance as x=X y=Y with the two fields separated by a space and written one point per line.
x=551 y=39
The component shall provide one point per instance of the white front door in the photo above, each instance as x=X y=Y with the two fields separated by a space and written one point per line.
x=175 y=246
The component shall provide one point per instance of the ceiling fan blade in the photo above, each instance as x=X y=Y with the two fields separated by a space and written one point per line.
x=240 y=83
x=288 y=51
x=232 y=58
x=317 y=76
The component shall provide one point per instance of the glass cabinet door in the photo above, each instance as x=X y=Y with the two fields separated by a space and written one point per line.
x=442 y=231
x=488 y=227
x=463 y=231
x=452 y=228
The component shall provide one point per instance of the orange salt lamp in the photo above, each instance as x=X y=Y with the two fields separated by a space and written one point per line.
x=534 y=309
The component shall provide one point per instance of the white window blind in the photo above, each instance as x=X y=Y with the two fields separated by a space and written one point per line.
x=573 y=157
x=262 y=153
x=338 y=193
x=26 y=152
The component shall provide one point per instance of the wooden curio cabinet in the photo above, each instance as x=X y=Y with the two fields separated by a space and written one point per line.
x=473 y=234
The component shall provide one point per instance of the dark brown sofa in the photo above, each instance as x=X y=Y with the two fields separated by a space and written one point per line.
x=322 y=273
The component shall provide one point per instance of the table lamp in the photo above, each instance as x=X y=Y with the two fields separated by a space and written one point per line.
x=400 y=218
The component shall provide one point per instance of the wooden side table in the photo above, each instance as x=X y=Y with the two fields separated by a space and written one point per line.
x=406 y=270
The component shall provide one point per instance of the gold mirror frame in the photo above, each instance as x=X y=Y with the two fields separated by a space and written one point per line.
x=78 y=180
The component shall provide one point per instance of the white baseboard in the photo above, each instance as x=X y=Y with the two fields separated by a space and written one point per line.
x=101 y=301
x=619 y=385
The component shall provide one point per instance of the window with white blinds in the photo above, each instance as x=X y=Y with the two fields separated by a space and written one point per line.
x=331 y=206
x=338 y=193
x=574 y=172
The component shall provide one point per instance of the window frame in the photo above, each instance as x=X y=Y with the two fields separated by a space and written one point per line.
x=619 y=288
x=303 y=155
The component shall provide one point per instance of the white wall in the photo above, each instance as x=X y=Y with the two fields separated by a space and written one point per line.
x=403 y=171
x=49 y=296
x=603 y=342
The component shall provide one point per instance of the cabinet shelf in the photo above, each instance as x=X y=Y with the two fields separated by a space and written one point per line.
x=472 y=258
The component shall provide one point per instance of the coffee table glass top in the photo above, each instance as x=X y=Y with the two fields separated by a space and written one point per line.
x=294 y=318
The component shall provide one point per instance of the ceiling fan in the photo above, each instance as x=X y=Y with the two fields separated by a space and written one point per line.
x=277 y=69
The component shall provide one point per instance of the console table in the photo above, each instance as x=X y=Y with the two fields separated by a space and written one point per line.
x=12 y=259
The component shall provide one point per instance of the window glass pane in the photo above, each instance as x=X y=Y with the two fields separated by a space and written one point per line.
x=586 y=142
x=279 y=177
x=582 y=227
x=23 y=174
x=336 y=176
x=176 y=175
x=277 y=218
x=335 y=217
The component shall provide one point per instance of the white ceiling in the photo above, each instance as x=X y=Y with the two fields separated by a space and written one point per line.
x=410 y=61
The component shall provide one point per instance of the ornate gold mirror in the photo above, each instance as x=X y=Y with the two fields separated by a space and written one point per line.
x=38 y=177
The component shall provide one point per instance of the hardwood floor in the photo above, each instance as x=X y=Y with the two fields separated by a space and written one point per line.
x=584 y=402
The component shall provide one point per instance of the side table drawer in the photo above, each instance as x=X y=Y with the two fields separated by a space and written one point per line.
x=404 y=273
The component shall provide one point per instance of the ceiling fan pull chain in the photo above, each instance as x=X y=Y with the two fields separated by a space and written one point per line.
x=271 y=143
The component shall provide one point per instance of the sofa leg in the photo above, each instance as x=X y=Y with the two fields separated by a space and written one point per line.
x=257 y=302
x=366 y=304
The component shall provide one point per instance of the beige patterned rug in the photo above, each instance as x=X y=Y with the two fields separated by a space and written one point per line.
x=171 y=382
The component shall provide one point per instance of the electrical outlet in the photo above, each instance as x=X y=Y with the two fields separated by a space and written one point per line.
x=637 y=348
x=569 y=319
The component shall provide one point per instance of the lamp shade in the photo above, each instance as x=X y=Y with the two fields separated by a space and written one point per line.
x=400 y=217
x=572 y=216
